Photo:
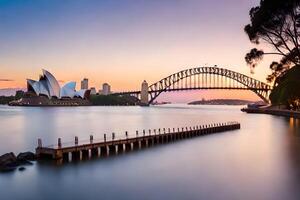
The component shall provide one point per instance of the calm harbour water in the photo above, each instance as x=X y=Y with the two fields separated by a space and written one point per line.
x=260 y=161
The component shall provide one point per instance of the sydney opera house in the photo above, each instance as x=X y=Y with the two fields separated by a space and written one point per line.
x=47 y=92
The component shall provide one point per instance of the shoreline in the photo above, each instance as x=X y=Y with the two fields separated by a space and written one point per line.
x=272 y=111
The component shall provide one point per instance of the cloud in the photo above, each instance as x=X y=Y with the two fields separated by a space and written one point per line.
x=5 y=80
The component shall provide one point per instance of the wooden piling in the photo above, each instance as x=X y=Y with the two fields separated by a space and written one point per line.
x=85 y=154
x=112 y=149
x=66 y=157
x=103 y=151
x=95 y=152
x=120 y=148
x=128 y=146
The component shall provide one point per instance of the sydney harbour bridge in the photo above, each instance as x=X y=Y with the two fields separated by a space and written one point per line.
x=201 y=78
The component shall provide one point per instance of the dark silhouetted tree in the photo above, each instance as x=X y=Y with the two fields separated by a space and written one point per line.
x=277 y=23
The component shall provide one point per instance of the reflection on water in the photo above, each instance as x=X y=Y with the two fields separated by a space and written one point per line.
x=294 y=126
x=260 y=161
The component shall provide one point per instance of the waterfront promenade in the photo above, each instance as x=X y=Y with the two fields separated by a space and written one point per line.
x=273 y=111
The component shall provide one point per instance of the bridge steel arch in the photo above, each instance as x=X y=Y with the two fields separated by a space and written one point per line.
x=246 y=83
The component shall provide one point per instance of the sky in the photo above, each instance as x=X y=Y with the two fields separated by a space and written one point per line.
x=124 y=42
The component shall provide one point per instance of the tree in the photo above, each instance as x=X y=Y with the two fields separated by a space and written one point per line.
x=287 y=92
x=277 y=23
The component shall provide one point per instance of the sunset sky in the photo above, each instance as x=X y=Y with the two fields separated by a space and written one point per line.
x=123 y=42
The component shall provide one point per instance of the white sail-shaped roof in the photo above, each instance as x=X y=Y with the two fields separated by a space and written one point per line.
x=43 y=88
x=52 y=83
x=35 y=85
x=80 y=93
x=68 y=90
x=48 y=86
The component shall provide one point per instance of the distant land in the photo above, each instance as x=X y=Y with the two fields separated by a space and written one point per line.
x=221 y=102
x=9 y=91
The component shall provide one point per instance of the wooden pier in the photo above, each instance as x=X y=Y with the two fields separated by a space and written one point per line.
x=113 y=145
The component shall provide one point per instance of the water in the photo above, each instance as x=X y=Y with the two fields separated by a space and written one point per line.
x=260 y=161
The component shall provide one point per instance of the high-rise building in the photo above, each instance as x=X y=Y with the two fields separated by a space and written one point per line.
x=106 y=89
x=85 y=84
x=93 y=90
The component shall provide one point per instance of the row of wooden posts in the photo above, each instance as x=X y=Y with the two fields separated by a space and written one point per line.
x=115 y=145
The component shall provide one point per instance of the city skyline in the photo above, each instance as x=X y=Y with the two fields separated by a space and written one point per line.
x=105 y=40
x=149 y=99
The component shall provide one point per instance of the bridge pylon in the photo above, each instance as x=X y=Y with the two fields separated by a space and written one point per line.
x=145 y=93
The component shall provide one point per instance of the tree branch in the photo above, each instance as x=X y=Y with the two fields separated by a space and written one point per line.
x=280 y=37
x=276 y=46
x=290 y=34
x=273 y=54
x=283 y=41
x=294 y=13
x=293 y=18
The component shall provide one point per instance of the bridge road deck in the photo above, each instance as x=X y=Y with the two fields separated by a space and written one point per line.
x=114 y=145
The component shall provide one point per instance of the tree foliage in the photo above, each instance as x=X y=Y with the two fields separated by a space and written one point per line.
x=277 y=23
x=113 y=100
x=6 y=99
x=287 y=92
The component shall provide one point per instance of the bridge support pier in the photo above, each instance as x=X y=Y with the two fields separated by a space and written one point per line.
x=112 y=149
x=85 y=154
x=183 y=135
x=120 y=148
x=190 y=134
x=128 y=147
x=94 y=152
x=166 y=138
x=193 y=133
x=174 y=137
x=103 y=151
x=136 y=145
x=160 y=139
x=75 y=155
x=150 y=142
x=179 y=136
x=66 y=157
x=144 y=143
x=156 y=140
x=198 y=132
